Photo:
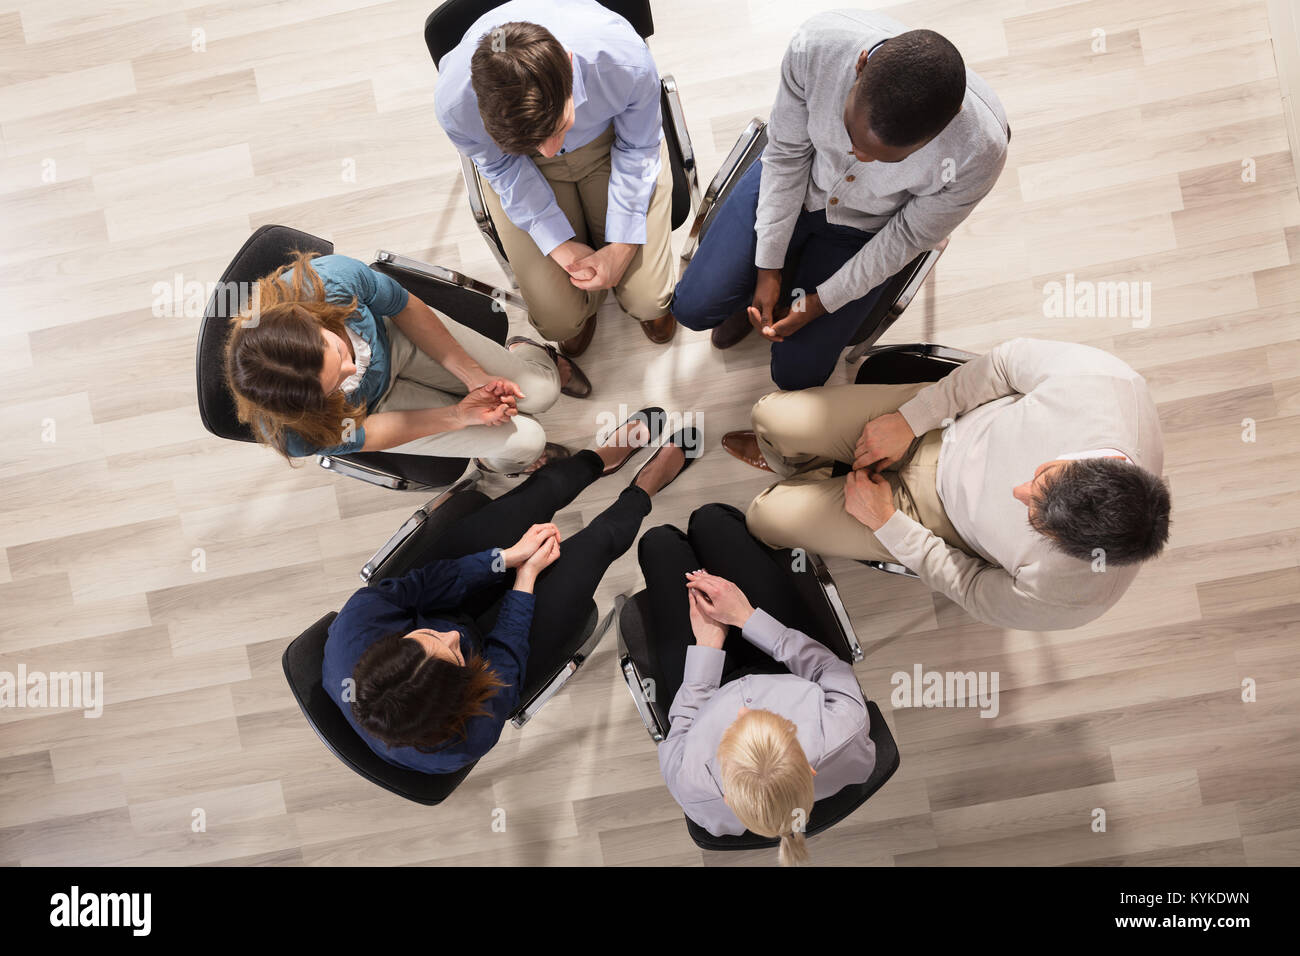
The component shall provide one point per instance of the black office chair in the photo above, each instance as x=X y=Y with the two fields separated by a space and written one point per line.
x=446 y=27
x=903 y=365
x=410 y=547
x=830 y=624
x=468 y=301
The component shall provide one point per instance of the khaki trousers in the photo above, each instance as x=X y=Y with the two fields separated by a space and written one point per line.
x=417 y=381
x=580 y=180
x=802 y=434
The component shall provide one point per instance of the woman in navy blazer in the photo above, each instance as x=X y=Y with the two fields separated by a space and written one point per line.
x=428 y=666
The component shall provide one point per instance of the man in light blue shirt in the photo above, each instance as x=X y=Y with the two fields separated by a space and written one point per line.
x=557 y=104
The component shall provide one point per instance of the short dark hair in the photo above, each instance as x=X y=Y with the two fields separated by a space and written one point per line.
x=1103 y=503
x=911 y=88
x=405 y=698
x=523 y=79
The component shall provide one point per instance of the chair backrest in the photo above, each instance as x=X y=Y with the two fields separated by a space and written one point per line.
x=447 y=25
x=829 y=810
x=417 y=549
x=901 y=367
x=266 y=250
x=302 y=668
x=882 y=314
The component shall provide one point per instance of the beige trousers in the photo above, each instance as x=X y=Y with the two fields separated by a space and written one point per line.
x=802 y=434
x=580 y=180
x=417 y=380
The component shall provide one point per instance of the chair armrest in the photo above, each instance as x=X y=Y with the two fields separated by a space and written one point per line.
x=412 y=524
x=743 y=153
x=448 y=277
x=918 y=278
x=373 y=476
x=833 y=598
x=677 y=117
x=632 y=677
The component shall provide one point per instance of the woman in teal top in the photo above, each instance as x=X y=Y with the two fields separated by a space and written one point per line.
x=335 y=358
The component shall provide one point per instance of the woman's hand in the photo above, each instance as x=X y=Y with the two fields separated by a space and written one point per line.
x=708 y=632
x=527 y=545
x=475 y=377
x=719 y=598
x=545 y=555
x=484 y=406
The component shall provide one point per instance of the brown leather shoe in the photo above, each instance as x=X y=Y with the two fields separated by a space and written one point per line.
x=733 y=329
x=744 y=445
x=578 y=344
x=660 y=331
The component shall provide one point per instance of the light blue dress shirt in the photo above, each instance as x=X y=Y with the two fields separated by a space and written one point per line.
x=614 y=79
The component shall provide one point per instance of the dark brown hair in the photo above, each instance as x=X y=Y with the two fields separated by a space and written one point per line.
x=407 y=698
x=523 y=79
x=275 y=355
x=1093 y=504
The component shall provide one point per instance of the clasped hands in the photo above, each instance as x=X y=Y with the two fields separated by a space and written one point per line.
x=776 y=326
x=867 y=493
x=716 y=604
x=537 y=550
x=590 y=269
x=491 y=400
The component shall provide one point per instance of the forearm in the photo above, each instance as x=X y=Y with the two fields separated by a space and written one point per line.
x=422 y=326
x=390 y=429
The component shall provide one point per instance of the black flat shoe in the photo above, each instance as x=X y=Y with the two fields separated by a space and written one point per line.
x=579 y=385
x=655 y=418
x=689 y=440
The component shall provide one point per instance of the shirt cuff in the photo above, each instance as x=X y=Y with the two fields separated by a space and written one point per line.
x=770 y=252
x=625 y=227
x=704 y=666
x=920 y=414
x=763 y=631
x=551 y=229
x=892 y=532
x=833 y=295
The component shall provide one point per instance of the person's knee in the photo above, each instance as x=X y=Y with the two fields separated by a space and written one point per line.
x=646 y=303
x=541 y=390
x=764 y=518
x=690 y=309
x=558 y=317
x=708 y=521
x=657 y=538
x=795 y=376
x=527 y=443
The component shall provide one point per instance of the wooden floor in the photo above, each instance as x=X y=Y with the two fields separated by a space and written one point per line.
x=130 y=158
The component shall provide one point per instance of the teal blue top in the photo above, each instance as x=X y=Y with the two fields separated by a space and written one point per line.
x=377 y=295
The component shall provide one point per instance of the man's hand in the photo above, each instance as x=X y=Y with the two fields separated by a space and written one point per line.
x=766 y=291
x=527 y=546
x=606 y=265
x=802 y=311
x=708 y=632
x=484 y=406
x=884 y=440
x=719 y=598
x=569 y=252
x=869 y=498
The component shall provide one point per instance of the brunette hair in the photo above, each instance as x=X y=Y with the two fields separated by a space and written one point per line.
x=523 y=79
x=407 y=698
x=911 y=88
x=274 y=358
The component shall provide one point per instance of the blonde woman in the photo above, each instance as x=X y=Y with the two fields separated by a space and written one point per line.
x=339 y=358
x=764 y=719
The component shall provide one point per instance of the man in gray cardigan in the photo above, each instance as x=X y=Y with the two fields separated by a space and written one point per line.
x=1024 y=486
x=880 y=143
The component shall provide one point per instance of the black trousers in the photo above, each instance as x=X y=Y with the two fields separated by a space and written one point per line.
x=716 y=541
x=563 y=591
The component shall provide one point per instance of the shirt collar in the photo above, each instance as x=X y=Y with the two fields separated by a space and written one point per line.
x=874 y=47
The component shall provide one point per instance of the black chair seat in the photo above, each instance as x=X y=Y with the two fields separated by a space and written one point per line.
x=828 y=811
x=302 y=667
x=902 y=368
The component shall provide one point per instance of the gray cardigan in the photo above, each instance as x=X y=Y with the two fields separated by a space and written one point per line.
x=820 y=695
x=911 y=205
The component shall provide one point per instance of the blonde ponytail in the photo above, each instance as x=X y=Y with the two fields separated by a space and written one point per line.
x=767 y=780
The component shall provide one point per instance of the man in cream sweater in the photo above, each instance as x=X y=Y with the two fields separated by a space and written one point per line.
x=1024 y=486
